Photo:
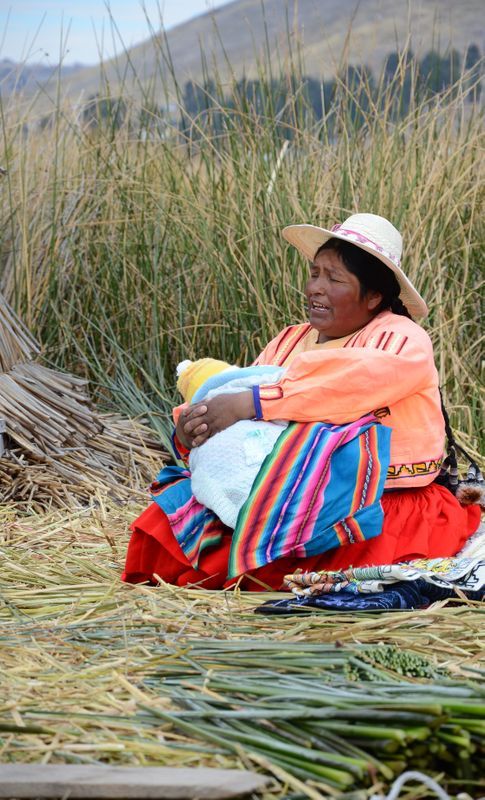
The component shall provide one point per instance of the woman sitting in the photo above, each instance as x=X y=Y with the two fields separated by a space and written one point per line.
x=360 y=353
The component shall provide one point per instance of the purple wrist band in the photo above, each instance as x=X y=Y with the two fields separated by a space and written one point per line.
x=257 y=403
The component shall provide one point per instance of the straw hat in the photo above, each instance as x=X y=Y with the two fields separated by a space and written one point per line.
x=370 y=232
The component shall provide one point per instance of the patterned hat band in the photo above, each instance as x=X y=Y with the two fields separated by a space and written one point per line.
x=359 y=237
x=369 y=232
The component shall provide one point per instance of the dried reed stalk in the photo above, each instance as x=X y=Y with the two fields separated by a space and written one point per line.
x=60 y=449
x=16 y=343
x=94 y=670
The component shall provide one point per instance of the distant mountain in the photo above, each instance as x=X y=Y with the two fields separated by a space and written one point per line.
x=16 y=77
x=241 y=33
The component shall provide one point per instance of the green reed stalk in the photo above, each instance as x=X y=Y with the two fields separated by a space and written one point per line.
x=133 y=245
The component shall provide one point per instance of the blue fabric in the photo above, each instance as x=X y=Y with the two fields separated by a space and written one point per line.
x=401 y=596
x=171 y=489
x=236 y=373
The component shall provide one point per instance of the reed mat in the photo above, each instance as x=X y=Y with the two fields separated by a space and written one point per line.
x=329 y=704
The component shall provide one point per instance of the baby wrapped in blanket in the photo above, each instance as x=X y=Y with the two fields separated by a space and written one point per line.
x=224 y=468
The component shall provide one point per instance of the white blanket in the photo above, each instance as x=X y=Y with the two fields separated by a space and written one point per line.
x=225 y=466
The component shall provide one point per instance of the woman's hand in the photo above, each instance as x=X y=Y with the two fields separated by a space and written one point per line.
x=189 y=425
x=204 y=419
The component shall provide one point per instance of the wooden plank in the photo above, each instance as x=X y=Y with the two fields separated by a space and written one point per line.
x=86 y=781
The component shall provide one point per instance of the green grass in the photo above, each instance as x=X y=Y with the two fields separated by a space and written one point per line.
x=127 y=252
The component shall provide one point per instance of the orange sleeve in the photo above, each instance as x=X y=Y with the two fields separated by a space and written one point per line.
x=342 y=384
x=177 y=411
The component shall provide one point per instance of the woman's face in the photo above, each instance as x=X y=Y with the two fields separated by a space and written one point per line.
x=335 y=307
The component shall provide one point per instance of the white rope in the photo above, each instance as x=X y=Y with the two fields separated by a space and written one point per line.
x=412 y=776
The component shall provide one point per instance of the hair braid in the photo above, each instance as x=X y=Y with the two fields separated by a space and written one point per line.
x=397 y=307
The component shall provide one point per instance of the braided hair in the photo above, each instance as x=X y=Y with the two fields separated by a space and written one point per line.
x=372 y=274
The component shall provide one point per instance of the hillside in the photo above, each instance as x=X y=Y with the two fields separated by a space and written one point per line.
x=237 y=33
x=15 y=77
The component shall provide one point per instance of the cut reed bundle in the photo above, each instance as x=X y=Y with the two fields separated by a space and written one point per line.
x=317 y=725
x=119 y=461
x=60 y=449
x=16 y=344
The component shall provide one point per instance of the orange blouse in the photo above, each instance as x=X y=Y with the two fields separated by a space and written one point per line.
x=387 y=367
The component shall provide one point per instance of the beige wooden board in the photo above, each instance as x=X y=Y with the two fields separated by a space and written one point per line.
x=83 y=781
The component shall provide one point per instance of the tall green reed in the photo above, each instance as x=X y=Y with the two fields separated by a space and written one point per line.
x=130 y=247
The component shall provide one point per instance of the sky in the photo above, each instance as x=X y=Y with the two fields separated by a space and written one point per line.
x=48 y=31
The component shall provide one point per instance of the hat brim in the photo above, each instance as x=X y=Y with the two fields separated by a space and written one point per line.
x=308 y=238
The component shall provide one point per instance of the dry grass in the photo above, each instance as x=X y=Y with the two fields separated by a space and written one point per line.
x=84 y=657
x=127 y=250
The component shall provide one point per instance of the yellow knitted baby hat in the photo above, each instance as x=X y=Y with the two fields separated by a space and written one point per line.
x=192 y=374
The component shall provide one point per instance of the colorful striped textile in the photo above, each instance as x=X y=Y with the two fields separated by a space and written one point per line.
x=319 y=488
x=194 y=526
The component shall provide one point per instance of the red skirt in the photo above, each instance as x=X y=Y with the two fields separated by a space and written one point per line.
x=418 y=523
